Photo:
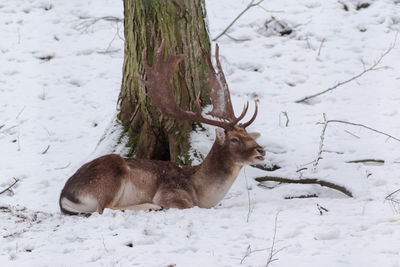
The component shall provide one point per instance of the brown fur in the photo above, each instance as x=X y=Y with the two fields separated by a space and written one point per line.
x=118 y=183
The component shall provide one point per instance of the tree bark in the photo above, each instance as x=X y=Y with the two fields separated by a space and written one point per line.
x=181 y=23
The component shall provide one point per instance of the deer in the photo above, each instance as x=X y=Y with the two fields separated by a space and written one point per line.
x=119 y=183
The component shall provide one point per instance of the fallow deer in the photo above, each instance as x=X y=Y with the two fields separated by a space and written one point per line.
x=118 y=183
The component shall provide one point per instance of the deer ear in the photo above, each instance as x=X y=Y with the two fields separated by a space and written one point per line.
x=220 y=136
x=255 y=135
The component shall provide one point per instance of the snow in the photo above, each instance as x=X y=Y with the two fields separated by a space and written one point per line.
x=59 y=82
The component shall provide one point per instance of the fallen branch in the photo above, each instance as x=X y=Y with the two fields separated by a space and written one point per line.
x=250 y=5
x=320 y=182
x=302 y=196
x=9 y=187
x=373 y=67
x=366 y=160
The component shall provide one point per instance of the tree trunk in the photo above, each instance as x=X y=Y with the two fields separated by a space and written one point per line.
x=181 y=23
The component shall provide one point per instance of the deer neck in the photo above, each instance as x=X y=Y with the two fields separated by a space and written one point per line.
x=215 y=176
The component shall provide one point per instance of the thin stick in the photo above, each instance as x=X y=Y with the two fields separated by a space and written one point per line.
x=19 y=113
x=320 y=182
x=350 y=133
x=8 y=188
x=321 y=143
x=60 y=168
x=249 y=251
x=302 y=196
x=373 y=67
x=320 y=47
x=47 y=149
x=250 y=5
x=287 y=118
x=271 y=252
x=366 y=160
x=248 y=197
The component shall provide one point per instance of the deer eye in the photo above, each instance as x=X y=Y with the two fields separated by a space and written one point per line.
x=235 y=140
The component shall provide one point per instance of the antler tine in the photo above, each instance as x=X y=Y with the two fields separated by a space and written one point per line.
x=244 y=125
x=244 y=111
x=220 y=96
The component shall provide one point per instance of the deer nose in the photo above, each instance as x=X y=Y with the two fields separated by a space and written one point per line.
x=261 y=151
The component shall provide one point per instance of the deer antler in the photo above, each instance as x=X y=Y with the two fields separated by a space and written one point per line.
x=220 y=96
x=160 y=90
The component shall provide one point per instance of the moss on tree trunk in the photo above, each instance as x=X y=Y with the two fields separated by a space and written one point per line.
x=181 y=23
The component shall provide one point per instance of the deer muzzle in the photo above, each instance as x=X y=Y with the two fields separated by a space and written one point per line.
x=260 y=153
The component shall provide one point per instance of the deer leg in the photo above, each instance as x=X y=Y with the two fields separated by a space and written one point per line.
x=175 y=198
x=144 y=206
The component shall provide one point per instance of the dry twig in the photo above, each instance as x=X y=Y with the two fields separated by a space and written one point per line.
x=249 y=251
x=253 y=3
x=286 y=116
x=373 y=67
x=248 y=197
x=321 y=143
x=366 y=160
x=320 y=47
x=272 y=251
x=320 y=182
x=394 y=200
x=47 y=149
x=9 y=187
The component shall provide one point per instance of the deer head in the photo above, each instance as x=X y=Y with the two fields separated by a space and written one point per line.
x=233 y=137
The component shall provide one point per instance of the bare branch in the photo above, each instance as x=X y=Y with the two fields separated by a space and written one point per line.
x=9 y=187
x=249 y=251
x=47 y=149
x=350 y=133
x=373 y=67
x=253 y=3
x=321 y=143
x=394 y=200
x=302 y=196
x=272 y=251
x=366 y=160
x=286 y=116
x=320 y=47
x=320 y=182
x=248 y=197
x=364 y=126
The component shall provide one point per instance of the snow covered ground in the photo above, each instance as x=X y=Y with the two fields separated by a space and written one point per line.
x=60 y=76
